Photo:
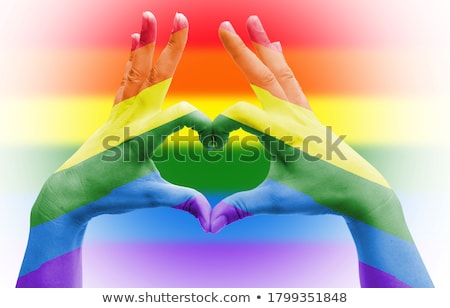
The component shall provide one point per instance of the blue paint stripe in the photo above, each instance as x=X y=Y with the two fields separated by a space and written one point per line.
x=63 y=234
x=50 y=240
x=389 y=254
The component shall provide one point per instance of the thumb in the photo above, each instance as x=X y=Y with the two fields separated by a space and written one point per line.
x=151 y=191
x=183 y=198
x=262 y=199
x=199 y=207
x=270 y=197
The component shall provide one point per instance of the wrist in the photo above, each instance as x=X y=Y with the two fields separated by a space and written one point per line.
x=60 y=195
x=386 y=259
x=376 y=206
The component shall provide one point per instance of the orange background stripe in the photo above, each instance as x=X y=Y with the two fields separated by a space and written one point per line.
x=211 y=71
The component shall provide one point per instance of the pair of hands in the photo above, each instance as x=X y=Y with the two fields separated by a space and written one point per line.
x=312 y=171
x=283 y=125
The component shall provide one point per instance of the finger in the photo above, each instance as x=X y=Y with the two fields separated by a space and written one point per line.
x=174 y=118
x=273 y=131
x=142 y=58
x=272 y=56
x=195 y=120
x=135 y=37
x=170 y=57
x=199 y=207
x=253 y=68
x=241 y=115
x=241 y=205
x=187 y=199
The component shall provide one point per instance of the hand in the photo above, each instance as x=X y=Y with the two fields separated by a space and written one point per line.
x=113 y=171
x=312 y=171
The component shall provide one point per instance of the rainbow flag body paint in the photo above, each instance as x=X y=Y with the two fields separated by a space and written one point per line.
x=352 y=80
x=90 y=183
x=312 y=171
x=112 y=172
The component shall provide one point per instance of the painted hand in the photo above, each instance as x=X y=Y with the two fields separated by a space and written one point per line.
x=312 y=171
x=113 y=171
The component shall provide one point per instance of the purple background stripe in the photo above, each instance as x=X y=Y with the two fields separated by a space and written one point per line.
x=256 y=265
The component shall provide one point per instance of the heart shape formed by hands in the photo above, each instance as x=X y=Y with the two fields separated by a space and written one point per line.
x=300 y=146
x=312 y=171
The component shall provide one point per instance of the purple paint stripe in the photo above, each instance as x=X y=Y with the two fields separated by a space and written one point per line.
x=61 y=272
x=372 y=277
x=199 y=207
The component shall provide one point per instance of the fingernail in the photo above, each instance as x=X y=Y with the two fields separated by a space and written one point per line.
x=148 y=30
x=134 y=41
x=259 y=35
x=276 y=46
x=226 y=25
x=256 y=31
x=255 y=22
x=180 y=22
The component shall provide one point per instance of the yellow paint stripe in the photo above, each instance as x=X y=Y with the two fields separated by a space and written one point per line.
x=139 y=114
x=300 y=128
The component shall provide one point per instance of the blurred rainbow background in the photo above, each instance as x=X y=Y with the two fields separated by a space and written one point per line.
x=376 y=71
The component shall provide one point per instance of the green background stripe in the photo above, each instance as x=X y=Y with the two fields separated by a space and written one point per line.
x=25 y=168
x=407 y=168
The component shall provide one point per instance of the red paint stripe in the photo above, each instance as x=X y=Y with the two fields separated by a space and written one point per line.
x=180 y=22
x=148 y=29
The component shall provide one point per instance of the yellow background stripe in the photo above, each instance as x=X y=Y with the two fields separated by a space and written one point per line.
x=365 y=120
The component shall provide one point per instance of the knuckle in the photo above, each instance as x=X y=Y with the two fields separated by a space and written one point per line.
x=238 y=51
x=135 y=75
x=285 y=73
x=267 y=78
x=157 y=75
x=184 y=107
x=174 y=45
x=240 y=209
x=241 y=106
x=241 y=110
